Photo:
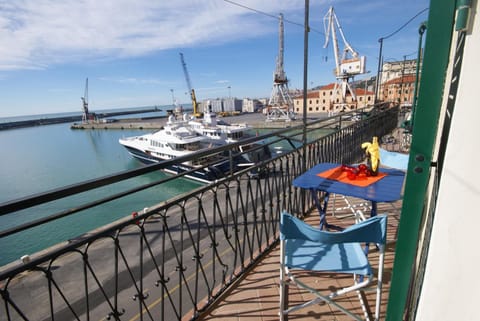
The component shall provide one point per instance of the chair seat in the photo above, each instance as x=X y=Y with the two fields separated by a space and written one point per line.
x=394 y=159
x=340 y=258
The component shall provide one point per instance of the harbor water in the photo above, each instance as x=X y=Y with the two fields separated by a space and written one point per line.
x=42 y=158
x=37 y=159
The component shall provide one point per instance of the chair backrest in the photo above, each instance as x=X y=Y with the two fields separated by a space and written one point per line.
x=373 y=229
x=393 y=159
x=310 y=249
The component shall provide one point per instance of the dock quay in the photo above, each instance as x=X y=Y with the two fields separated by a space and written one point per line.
x=255 y=120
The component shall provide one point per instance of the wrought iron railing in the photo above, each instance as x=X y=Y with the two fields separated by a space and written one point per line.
x=175 y=258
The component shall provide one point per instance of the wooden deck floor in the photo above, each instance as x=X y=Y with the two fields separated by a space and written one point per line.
x=256 y=296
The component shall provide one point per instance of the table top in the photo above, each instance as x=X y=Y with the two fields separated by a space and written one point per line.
x=387 y=189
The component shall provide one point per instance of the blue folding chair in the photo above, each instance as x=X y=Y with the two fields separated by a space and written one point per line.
x=306 y=248
x=393 y=159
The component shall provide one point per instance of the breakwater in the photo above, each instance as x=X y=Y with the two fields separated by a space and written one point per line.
x=69 y=119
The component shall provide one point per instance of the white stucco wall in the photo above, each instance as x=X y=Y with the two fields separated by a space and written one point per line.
x=451 y=288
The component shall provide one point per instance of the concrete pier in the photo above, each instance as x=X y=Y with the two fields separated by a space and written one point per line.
x=255 y=120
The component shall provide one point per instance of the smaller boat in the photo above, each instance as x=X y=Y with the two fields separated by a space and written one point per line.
x=174 y=140
x=218 y=132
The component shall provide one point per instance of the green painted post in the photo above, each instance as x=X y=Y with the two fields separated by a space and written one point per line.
x=437 y=48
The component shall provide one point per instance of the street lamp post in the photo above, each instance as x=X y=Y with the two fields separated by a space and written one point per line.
x=365 y=94
x=421 y=31
x=173 y=97
x=379 y=71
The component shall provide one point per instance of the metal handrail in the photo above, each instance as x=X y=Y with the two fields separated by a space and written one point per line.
x=175 y=258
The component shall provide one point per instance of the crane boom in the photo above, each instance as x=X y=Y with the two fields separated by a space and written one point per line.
x=350 y=64
x=279 y=75
x=189 y=85
x=330 y=21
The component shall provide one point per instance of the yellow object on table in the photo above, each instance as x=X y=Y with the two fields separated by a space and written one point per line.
x=373 y=153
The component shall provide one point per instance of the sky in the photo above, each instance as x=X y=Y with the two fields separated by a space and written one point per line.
x=130 y=50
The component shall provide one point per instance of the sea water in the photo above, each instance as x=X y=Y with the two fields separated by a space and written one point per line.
x=37 y=159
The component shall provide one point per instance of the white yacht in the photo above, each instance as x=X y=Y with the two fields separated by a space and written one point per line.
x=218 y=132
x=177 y=139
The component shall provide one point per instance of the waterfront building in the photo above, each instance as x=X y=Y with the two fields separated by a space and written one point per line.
x=399 y=90
x=252 y=105
x=328 y=100
x=224 y=105
x=395 y=69
x=397 y=85
x=398 y=81
x=313 y=103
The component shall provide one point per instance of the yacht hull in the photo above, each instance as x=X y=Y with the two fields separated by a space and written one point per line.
x=204 y=175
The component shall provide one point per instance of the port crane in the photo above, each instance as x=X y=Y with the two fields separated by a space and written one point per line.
x=349 y=64
x=196 y=113
x=86 y=115
x=280 y=105
x=85 y=103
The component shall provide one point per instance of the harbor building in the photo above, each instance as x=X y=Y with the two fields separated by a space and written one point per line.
x=253 y=105
x=397 y=85
x=327 y=100
x=398 y=81
x=223 y=105
x=396 y=69
x=399 y=90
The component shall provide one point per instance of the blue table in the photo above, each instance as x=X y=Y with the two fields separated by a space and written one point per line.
x=387 y=189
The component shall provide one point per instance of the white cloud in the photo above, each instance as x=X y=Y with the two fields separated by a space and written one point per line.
x=37 y=33
x=134 y=81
